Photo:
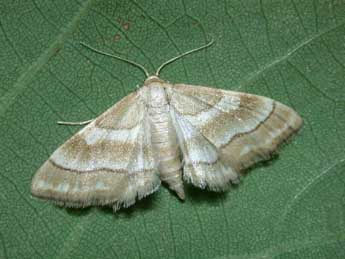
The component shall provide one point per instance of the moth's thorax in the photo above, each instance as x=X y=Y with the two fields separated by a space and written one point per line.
x=154 y=91
x=157 y=96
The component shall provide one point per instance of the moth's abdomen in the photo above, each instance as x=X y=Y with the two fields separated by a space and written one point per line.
x=164 y=141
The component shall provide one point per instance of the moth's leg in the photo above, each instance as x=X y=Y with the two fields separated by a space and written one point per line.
x=74 y=123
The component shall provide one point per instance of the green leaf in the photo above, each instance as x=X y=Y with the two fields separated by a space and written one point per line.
x=292 y=51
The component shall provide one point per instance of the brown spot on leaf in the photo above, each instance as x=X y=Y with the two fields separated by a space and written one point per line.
x=126 y=26
x=117 y=37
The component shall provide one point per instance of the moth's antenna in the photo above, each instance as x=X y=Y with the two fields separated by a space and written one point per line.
x=117 y=57
x=182 y=55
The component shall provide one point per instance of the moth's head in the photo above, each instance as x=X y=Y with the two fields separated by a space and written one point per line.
x=153 y=79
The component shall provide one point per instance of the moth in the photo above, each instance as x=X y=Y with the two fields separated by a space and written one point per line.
x=164 y=132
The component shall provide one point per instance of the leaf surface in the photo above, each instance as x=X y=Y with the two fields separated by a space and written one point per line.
x=291 y=51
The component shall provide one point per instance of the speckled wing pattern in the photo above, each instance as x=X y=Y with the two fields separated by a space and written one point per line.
x=221 y=132
x=110 y=161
